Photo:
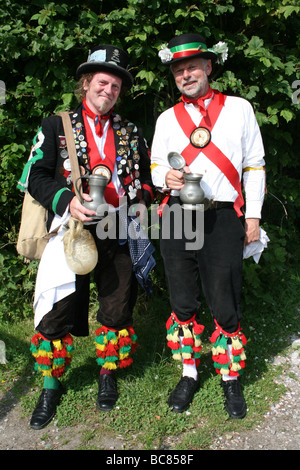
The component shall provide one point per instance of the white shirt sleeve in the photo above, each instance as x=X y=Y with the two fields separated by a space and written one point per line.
x=254 y=177
x=159 y=151
x=254 y=187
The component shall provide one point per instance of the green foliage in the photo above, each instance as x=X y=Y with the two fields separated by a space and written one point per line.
x=17 y=287
x=42 y=43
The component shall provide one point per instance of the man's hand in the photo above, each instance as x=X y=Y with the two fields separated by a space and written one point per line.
x=174 y=178
x=78 y=211
x=252 y=230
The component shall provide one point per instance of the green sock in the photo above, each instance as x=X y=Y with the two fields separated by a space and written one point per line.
x=51 y=382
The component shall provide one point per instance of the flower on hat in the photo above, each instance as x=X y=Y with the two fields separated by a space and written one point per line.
x=221 y=50
x=165 y=54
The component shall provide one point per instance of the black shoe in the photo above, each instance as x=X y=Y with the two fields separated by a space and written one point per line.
x=234 y=401
x=182 y=395
x=107 y=394
x=45 y=409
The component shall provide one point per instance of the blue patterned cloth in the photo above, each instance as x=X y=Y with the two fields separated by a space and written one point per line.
x=141 y=251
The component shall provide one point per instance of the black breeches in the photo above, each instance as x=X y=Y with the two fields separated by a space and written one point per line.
x=117 y=292
x=217 y=266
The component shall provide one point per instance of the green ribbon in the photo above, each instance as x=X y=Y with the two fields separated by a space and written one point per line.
x=190 y=45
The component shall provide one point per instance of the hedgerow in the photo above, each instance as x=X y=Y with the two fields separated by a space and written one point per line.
x=43 y=43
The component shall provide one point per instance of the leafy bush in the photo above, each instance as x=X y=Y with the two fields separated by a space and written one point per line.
x=43 y=43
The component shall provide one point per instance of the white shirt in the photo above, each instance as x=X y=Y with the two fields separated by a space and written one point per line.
x=236 y=134
x=100 y=142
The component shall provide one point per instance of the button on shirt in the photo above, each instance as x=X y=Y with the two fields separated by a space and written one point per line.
x=236 y=134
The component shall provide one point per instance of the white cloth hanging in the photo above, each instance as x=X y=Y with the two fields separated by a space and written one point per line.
x=55 y=280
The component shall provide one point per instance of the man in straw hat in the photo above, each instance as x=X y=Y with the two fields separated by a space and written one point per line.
x=219 y=138
x=112 y=146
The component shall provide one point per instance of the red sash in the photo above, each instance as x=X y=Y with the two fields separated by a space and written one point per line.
x=211 y=151
x=110 y=193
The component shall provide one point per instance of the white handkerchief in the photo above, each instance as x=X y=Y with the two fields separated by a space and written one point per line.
x=255 y=249
x=55 y=280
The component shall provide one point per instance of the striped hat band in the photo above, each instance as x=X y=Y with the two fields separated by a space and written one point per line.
x=185 y=50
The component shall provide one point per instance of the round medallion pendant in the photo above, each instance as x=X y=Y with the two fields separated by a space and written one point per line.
x=200 y=137
x=102 y=170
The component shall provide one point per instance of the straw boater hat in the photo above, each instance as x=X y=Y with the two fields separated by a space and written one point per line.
x=110 y=59
x=190 y=45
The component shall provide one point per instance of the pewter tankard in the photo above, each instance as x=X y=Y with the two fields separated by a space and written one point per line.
x=97 y=185
x=192 y=193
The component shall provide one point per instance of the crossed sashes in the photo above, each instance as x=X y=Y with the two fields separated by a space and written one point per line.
x=211 y=151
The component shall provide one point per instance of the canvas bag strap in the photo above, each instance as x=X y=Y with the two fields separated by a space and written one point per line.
x=72 y=152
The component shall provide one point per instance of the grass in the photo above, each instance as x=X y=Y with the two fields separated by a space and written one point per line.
x=142 y=417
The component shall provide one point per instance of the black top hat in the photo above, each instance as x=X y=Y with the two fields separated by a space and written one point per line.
x=110 y=59
x=186 y=46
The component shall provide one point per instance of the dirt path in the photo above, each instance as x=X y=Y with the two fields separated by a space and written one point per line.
x=280 y=429
x=15 y=434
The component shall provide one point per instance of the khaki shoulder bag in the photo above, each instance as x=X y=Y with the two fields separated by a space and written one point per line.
x=33 y=235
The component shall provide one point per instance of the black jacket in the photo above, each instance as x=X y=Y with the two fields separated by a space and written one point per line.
x=50 y=181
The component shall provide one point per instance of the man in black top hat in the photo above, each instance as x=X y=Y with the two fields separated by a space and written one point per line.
x=112 y=146
x=216 y=136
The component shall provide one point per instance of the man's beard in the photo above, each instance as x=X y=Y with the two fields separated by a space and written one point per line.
x=199 y=90
x=104 y=107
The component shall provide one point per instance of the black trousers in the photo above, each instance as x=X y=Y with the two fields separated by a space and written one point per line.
x=217 y=266
x=117 y=293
